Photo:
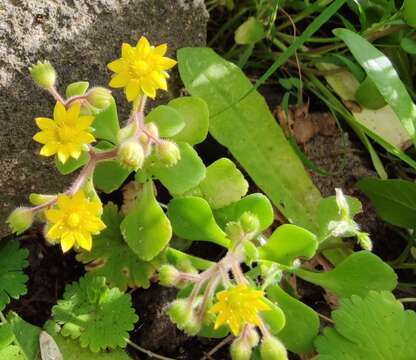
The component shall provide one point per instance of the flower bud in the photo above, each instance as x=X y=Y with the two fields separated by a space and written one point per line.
x=168 y=152
x=127 y=132
x=252 y=336
x=271 y=348
x=39 y=199
x=249 y=223
x=152 y=129
x=240 y=350
x=168 y=275
x=99 y=97
x=43 y=74
x=234 y=231
x=180 y=312
x=131 y=155
x=20 y=219
x=193 y=326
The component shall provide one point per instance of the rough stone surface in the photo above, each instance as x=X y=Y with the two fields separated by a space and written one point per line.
x=79 y=37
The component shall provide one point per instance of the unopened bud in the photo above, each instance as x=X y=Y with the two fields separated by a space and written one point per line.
x=20 y=219
x=252 y=336
x=249 y=223
x=364 y=241
x=240 y=350
x=131 y=155
x=39 y=199
x=271 y=348
x=341 y=200
x=43 y=74
x=127 y=132
x=168 y=152
x=99 y=97
x=193 y=326
x=180 y=312
x=234 y=231
x=152 y=130
x=168 y=275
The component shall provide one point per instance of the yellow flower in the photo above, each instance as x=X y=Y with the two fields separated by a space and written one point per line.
x=73 y=221
x=141 y=69
x=238 y=306
x=66 y=134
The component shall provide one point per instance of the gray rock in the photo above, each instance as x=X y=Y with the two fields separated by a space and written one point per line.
x=79 y=37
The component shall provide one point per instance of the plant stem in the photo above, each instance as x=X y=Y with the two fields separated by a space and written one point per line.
x=405 y=300
x=3 y=319
x=405 y=266
x=217 y=347
x=147 y=352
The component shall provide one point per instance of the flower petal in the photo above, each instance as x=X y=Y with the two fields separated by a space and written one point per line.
x=67 y=241
x=59 y=112
x=148 y=88
x=49 y=149
x=53 y=215
x=84 y=240
x=142 y=47
x=73 y=111
x=55 y=232
x=84 y=122
x=160 y=50
x=117 y=65
x=44 y=137
x=45 y=123
x=126 y=51
x=165 y=63
x=132 y=90
x=119 y=80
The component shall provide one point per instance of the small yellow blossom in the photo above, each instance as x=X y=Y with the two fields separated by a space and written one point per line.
x=66 y=134
x=238 y=306
x=141 y=69
x=73 y=221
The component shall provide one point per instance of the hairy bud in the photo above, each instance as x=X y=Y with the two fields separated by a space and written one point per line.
x=99 y=97
x=249 y=223
x=240 y=350
x=20 y=219
x=131 y=155
x=168 y=275
x=271 y=348
x=168 y=152
x=43 y=74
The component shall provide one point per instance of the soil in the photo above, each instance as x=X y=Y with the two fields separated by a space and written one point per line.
x=49 y=271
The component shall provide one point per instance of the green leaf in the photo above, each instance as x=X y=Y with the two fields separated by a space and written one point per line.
x=72 y=164
x=168 y=120
x=328 y=211
x=6 y=335
x=145 y=227
x=186 y=174
x=409 y=45
x=78 y=88
x=112 y=258
x=250 y=31
x=194 y=111
x=287 y=243
x=12 y=262
x=368 y=96
x=275 y=318
x=106 y=124
x=250 y=132
x=192 y=219
x=394 y=200
x=110 y=175
x=409 y=12
x=256 y=203
x=358 y=274
x=375 y=327
x=12 y=352
x=223 y=184
x=381 y=71
x=302 y=322
x=26 y=336
x=100 y=317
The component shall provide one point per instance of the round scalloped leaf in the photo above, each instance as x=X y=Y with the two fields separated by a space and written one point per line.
x=112 y=258
x=194 y=111
x=223 y=184
x=192 y=219
x=146 y=228
x=375 y=327
x=100 y=317
x=168 y=120
x=12 y=279
x=106 y=125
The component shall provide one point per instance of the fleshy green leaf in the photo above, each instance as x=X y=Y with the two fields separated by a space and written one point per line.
x=381 y=71
x=72 y=164
x=375 y=327
x=76 y=89
x=394 y=200
x=106 y=124
x=12 y=352
x=146 y=228
x=287 y=243
x=112 y=257
x=250 y=132
x=302 y=322
x=12 y=262
x=275 y=318
x=256 y=203
x=6 y=335
x=100 y=317
x=194 y=111
x=185 y=175
x=192 y=219
x=110 y=175
x=250 y=31
x=358 y=274
x=168 y=120
x=223 y=184
x=26 y=336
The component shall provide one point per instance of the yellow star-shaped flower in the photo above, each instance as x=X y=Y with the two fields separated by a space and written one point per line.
x=66 y=134
x=141 y=69
x=73 y=221
x=238 y=306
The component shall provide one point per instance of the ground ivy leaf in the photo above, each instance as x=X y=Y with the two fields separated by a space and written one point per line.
x=100 y=317
x=375 y=327
x=26 y=336
x=12 y=279
x=223 y=184
x=358 y=274
x=112 y=257
x=146 y=228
